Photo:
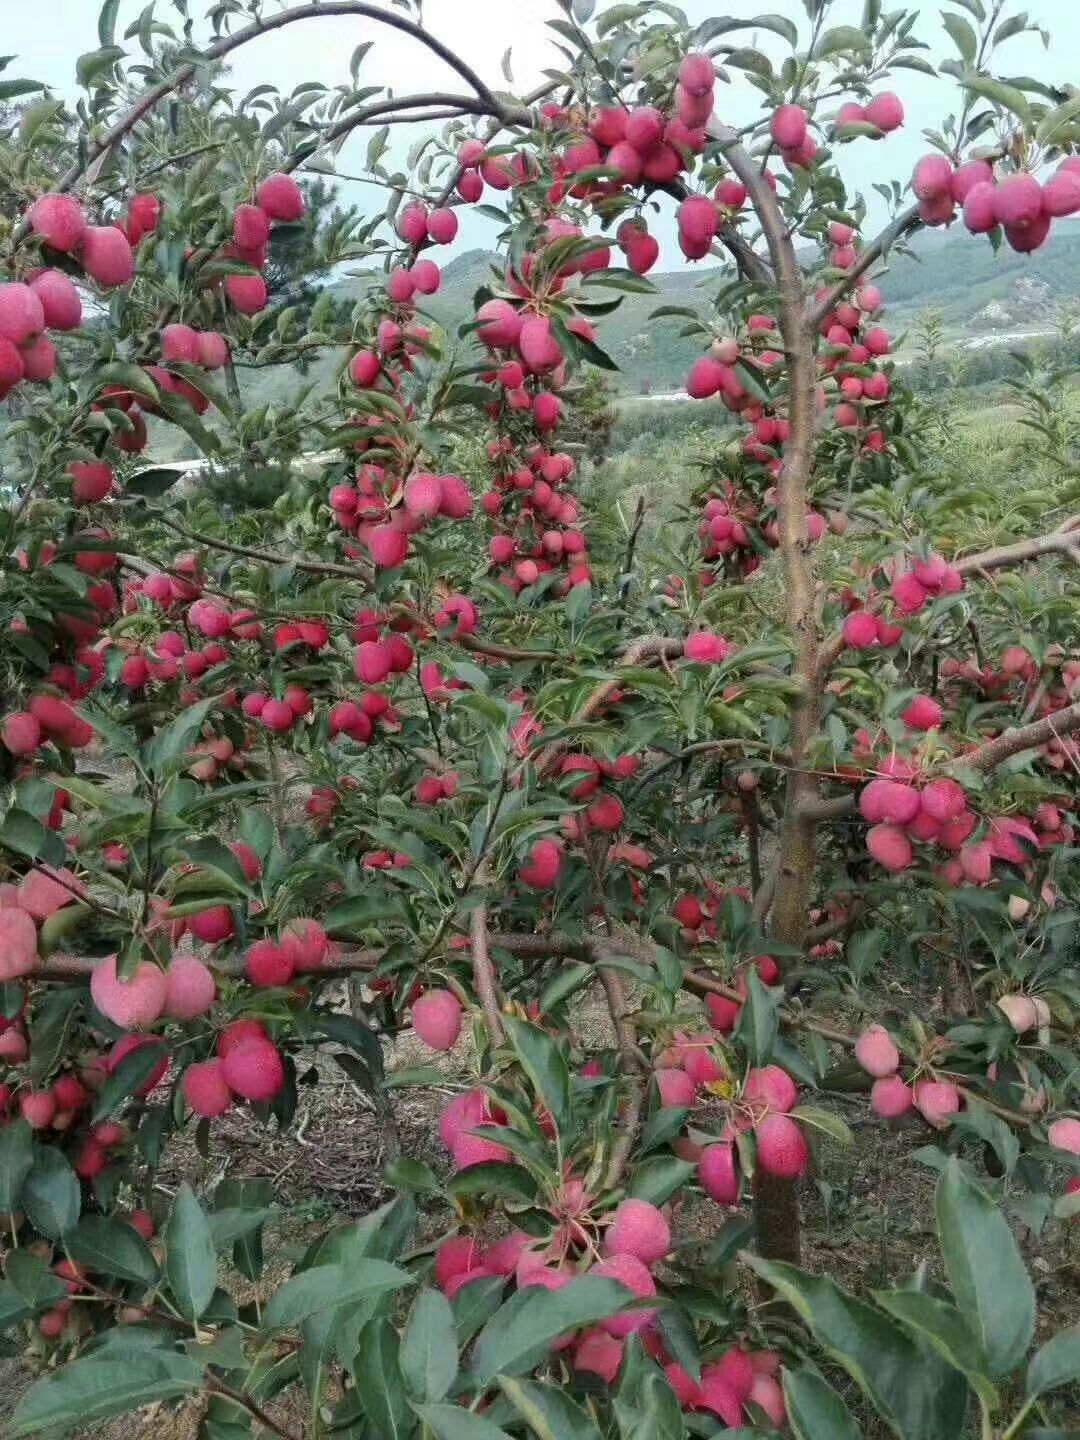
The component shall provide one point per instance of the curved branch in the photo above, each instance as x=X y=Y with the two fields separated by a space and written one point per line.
x=1027 y=737
x=484 y=976
x=318 y=10
x=1063 y=541
x=652 y=647
x=907 y=221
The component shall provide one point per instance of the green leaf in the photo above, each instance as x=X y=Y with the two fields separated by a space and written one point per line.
x=963 y=36
x=90 y=1390
x=494 y=1177
x=429 y=1357
x=1001 y=94
x=841 y=40
x=942 y=1326
x=153 y=483
x=825 y=1121
x=986 y=1272
x=814 y=1409
x=1055 y=1363
x=173 y=742
x=326 y=1287
x=548 y=1411
x=107 y=22
x=133 y=1069
x=377 y=1375
x=473 y=1304
x=190 y=1257
x=519 y=1333
x=920 y=1396
x=543 y=1061
x=658 y=1178
x=450 y=1422
x=112 y=1247
x=16 y=1158
x=50 y=1195
x=32 y=1280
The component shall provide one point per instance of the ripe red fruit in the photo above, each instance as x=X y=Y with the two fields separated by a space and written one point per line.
x=688 y=912
x=772 y=1086
x=943 y=800
x=696 y=74
x=723 y=1013
x=59 y=299
x=932 y=178
x=37 y=1108
x=454 y=1256
x=247 y=294
x=599 y=1353
x=781 y=1149
x=1065 y=1135
x=205 y=1088
x=106 y=256
x=142 y=1222
x=423 y=495
x=214 y=924
x=1061 y=194
x=876 y=1053
x=20 y=733
x=388 y=546
x=922 y=713
x=885 y=111
x=21 y=313
x=717 y=1173
x=267 y=964
x=675 y=1087
x=890 y=847
x=644 y=127
x=640 y=1230
x=442 y=226
x=279 y=197
x=890 y=1097
x=131 y=1003
x=788 y=127
x=538 y=347
x=605 y=813
x=59 y=220
x=250 y=227
x=937 y=1101
x=39 y=360
x=254 y=1069
x=541 y=870
x=189 y=988
x=436 y=1018
x=179 y=342
x=426 y=277
x=1018 y=200
x=499 y=324
x=238 y=1033
x=92 y=480
x=860 y=630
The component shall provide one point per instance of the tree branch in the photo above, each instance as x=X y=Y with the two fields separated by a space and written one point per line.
x=907 y=221
x=1026 y=737
x=319 y=10
x=484 y=976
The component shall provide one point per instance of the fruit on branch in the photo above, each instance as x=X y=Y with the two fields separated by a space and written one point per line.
x=436 y=1018
x=638 y=1229
x=133 y=1002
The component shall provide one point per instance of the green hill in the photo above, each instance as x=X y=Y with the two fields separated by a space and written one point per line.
x=978 y=294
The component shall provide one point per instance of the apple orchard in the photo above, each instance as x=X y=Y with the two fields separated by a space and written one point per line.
x=795 y=814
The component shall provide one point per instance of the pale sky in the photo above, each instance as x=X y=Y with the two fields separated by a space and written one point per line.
x=48 y=36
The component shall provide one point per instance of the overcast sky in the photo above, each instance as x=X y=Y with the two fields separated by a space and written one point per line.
x=48 y=35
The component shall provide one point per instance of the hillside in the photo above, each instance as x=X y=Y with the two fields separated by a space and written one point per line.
x=979 y=295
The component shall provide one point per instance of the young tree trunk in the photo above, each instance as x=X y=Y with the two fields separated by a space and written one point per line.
x=776 y=1208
